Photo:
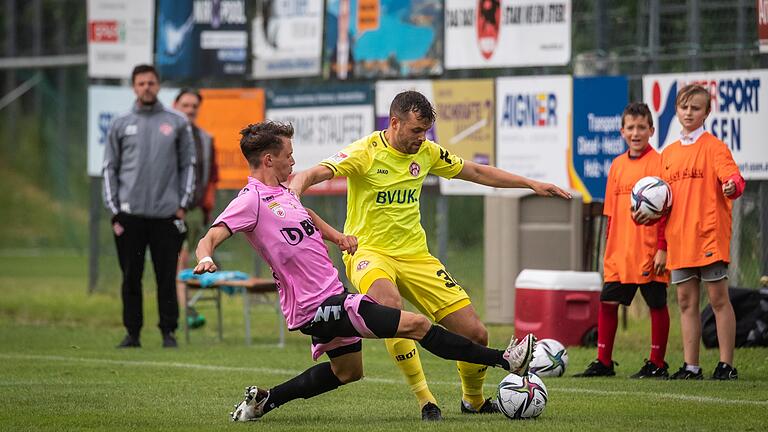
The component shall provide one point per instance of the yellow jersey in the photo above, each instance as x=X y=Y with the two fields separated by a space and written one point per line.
x=384 y=189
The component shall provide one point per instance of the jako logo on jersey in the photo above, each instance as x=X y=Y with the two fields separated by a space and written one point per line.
x=382 y=171
x=730 y=99
x=400 y=196
x=414 y=169
x=324 y=313
x=529 y=110
x=277 y=209
x=362 y=264
x=488 y=18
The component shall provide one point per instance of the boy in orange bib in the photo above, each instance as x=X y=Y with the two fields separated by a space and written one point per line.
x=635 y=255
x=704 y=179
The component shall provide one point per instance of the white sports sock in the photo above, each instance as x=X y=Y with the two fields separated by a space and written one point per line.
x=693 y=368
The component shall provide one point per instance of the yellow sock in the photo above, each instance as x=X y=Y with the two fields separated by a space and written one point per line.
x=472 y=379
x=406 y=357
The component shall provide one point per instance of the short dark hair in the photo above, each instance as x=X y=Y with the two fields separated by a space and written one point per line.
x=412 y=101
x=637 y=109
x=258 y=138
x=143 y=68
x=188 y=90
x=687 y=92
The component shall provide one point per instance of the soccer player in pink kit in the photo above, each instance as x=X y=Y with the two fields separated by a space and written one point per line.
x=313 y=300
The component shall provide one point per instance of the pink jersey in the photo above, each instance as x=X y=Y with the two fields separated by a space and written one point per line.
x=281 y=230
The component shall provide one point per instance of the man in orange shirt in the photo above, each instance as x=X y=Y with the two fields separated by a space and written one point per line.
x=635 y=255
x=704 y=179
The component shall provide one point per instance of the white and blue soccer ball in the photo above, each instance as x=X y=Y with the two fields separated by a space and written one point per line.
x=521 y=397
x=652 y=196
x=550 y=358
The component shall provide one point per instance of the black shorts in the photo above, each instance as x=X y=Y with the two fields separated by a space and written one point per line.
x=654 y=293
x=344 y=318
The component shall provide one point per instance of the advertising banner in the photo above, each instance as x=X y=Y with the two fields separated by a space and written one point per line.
x=287 y=38
x=223 y=114
x=465 y=114
x=598 y=103
x=105 y=103
x=383 y=38
x=507 y=33
x=533 y=125
x=762 y=25
x=736 y=118
x=119 y=36
x=201 y=38
x=325 y=119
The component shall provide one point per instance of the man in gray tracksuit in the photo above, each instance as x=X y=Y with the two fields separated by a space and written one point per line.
x=149 y=181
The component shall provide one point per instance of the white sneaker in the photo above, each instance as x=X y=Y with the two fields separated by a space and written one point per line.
x=519 y=355
x=252 y=407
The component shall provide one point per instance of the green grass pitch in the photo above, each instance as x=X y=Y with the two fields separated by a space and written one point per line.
x=60 y=372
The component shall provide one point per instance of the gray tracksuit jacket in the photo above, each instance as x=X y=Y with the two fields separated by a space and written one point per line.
x=149 y=162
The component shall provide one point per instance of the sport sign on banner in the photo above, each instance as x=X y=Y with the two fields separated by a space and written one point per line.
x=507 y=33
x=119 y=36
x=532 y=126
x=105 y=103
x=737 y=98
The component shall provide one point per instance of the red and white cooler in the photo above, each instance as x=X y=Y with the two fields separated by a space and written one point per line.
x=560 y=305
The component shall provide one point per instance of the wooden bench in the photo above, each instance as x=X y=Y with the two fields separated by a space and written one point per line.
x=252 y=288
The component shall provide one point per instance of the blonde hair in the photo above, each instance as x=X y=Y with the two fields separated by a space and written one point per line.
x=689 y=91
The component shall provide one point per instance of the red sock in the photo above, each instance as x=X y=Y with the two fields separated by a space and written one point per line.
x=659 y=335
x=607 y=321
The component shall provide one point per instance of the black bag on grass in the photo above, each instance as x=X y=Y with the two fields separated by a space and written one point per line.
x=751 y=309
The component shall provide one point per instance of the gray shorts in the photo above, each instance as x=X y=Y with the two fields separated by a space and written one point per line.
x=708 y=273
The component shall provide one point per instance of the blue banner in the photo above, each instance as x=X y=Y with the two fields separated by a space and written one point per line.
x=201 y=38
x=597 y=106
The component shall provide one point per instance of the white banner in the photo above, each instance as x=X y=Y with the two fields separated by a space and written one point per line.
x=532 y=126
x=120 y=36
x=507 y=33
x=736 y=118
x=387 y=90
x=287 y=38
x=321 y=131
x=105 y=103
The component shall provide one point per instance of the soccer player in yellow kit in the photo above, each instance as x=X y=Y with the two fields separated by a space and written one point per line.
x=385 y=172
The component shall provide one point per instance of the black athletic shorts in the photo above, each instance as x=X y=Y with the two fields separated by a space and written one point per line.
x=341 y=320
x=654 y=293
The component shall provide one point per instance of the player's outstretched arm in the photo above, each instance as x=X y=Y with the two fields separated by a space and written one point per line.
x=205 y=247
x=495 y=177
x=303 y=180
x=346 y=243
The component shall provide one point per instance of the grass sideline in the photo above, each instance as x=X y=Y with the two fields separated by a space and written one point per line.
x=61 y=372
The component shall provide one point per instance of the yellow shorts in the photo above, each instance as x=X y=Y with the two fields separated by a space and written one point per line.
x=422 y=280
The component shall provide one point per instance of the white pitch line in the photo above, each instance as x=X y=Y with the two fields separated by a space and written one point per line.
x=291 y=372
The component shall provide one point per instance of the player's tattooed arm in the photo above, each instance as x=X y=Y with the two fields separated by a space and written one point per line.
x=347 y=243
